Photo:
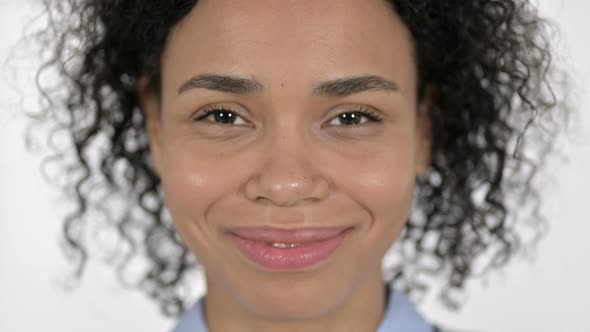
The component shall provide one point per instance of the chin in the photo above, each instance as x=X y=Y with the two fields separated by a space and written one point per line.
x=296 y=299
x=305 y=307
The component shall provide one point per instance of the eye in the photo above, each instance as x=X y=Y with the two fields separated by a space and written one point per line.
x=226 y=116
x=221 y=115
x=355 y=117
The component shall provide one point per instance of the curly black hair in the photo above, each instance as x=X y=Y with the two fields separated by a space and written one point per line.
x=494 y=123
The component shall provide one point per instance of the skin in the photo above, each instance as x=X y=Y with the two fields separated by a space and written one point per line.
x=288 y=161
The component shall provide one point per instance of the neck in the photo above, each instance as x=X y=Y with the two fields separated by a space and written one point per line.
x=361 y=311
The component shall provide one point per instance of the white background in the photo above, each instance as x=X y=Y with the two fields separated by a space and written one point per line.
x=553 y=294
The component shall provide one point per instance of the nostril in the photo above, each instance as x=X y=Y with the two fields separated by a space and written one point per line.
x=263 y=200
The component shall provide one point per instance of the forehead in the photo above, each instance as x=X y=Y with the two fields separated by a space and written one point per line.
x=291 y=40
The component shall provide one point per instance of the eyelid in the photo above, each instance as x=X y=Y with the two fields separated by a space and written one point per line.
x=365 y=111
x=206 y=111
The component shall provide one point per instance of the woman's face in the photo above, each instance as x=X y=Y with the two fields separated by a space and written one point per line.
x=287 y=159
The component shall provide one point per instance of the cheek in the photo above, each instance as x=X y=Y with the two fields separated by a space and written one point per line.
x=384 y=184
x=192 y=182
x=385 y=176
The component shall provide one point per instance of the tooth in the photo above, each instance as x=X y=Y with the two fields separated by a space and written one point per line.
x=284 y=245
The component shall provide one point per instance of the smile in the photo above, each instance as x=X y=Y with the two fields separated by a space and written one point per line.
x=282 y=256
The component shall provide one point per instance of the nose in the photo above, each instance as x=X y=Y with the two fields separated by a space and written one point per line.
x=287 y=174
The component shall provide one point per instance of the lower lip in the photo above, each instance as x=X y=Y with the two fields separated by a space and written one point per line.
x=296 y=258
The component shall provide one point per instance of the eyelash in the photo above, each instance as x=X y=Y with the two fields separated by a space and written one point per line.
x=372 y=116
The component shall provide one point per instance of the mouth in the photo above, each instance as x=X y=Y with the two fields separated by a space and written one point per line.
x=283 y=250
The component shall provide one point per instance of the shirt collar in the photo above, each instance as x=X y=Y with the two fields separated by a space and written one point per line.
x=400 y=316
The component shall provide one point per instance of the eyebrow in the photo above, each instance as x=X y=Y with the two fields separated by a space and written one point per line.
x=346 y=86
x=223 y=83
x=340 y=87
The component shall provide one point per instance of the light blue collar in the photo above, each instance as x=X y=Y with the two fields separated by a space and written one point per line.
x=400 y=316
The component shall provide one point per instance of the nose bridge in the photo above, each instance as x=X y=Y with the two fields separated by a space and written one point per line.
x=286 y=174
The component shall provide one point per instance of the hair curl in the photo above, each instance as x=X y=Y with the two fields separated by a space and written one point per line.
x=489 y=61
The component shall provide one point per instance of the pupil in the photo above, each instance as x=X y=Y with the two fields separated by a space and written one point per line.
x=350 y=118
x=224 y=117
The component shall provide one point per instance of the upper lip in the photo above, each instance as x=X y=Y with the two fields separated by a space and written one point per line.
x=282 y=235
